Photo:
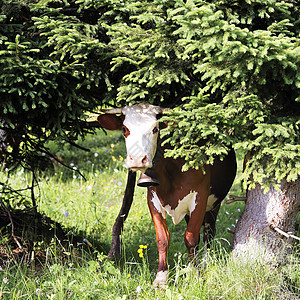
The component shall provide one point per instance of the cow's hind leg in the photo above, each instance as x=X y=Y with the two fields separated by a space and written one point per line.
x=209 y=223
x=192 y=233
x=209 y=229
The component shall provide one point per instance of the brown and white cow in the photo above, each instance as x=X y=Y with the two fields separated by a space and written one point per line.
x=190 y=195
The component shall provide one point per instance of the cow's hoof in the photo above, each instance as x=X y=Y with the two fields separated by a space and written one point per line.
x=161 y=279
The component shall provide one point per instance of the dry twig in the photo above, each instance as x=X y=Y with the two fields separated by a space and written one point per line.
x=12 y=225
x=233 y=198
x=286 y=234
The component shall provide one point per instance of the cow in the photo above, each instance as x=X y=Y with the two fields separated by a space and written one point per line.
x=194 y=195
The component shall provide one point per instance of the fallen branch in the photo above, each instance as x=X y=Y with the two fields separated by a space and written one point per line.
x=286 y=234
x=12 y=225
x=233 y=198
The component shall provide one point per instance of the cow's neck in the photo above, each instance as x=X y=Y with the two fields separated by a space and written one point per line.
x=175 y=184
x=168 y=170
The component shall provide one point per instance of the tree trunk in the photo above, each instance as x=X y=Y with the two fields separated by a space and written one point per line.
x=257 y=235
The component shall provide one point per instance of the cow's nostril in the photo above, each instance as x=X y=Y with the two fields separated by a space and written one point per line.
x=144 y=160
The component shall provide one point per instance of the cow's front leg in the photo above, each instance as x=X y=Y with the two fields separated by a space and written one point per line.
x=162 y=237
x=115 y=249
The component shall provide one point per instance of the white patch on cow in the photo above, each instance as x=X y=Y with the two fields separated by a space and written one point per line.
x=185 y=207
x=157 y=204
x=140 y=120
x=210 y=202
x=161 y=278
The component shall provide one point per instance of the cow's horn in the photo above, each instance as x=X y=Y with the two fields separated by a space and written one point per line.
x=112 y=111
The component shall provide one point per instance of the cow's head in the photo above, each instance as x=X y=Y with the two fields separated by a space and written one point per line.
x=140 y=129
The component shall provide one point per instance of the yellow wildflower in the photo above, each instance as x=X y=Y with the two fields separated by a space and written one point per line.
x=141 y=249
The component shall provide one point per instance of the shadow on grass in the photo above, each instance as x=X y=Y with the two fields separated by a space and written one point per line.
x=28 y=237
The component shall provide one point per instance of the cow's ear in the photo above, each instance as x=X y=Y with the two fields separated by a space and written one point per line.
x=163 y=125
x=110 y=122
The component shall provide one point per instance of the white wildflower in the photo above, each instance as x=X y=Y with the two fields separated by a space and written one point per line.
x=5 y=280
x=38 y=291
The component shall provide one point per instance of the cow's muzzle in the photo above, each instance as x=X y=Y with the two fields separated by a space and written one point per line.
x=138 y=162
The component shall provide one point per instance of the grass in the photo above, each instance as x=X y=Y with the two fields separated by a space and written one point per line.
x=88 y=208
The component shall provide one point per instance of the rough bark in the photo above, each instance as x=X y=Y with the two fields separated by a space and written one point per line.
x=255 y=235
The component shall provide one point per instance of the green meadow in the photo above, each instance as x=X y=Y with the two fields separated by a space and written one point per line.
x=86 y=205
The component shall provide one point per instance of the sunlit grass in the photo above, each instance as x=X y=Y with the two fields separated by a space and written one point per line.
x=97 y=278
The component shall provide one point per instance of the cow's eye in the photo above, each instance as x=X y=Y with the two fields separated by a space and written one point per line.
x=126 y=131
x=155 y=130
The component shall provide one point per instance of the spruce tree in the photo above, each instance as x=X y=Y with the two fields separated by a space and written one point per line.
x=228 y=69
